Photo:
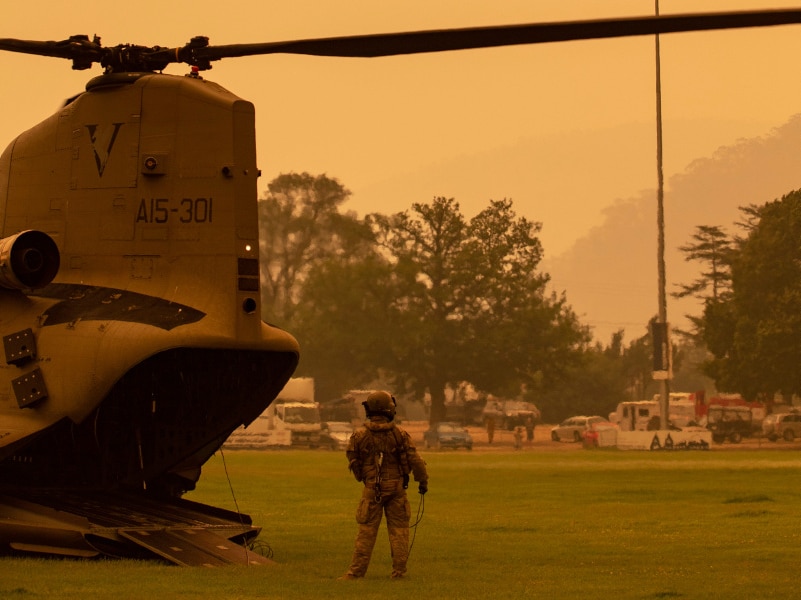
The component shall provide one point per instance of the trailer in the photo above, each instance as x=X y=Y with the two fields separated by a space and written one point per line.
x=645 y=415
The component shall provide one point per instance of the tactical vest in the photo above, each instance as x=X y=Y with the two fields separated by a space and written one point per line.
x=382 y=454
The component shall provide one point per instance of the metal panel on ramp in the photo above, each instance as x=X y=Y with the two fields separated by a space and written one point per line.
x=193 y=547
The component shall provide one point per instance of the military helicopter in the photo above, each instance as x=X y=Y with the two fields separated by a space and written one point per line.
x=129 y=288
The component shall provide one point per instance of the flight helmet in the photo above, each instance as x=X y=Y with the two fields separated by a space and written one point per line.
x=380 y=404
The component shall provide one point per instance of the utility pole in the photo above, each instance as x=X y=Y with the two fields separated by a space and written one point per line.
x=661 y=332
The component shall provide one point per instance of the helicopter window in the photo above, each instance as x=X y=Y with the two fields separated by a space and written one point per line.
x=248 y=267
x=248 y=284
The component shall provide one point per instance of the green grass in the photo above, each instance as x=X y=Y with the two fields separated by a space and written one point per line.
x=553 y=524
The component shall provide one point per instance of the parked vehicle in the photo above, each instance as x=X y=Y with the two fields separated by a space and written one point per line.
x=337 y=434
x=644 y=415
x=730 y=422
x=684 y=410
x=572 y=429
x=447 y=435
x=293 y=419
x=600 y=433
x=785 y=425
x=703 y=405
x=509 y=414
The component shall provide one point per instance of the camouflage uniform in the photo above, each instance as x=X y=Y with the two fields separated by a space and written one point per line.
x=381 y=455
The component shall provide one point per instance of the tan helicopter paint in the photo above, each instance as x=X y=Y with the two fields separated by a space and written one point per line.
x=147 y=187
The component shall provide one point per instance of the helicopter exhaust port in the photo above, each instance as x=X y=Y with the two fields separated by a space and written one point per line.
x=28 y=260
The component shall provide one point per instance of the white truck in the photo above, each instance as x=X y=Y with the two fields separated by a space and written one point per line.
x=293 y=419
x=639 y=426
x=642 y=415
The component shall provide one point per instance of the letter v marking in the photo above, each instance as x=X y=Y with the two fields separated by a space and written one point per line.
x=102 y=142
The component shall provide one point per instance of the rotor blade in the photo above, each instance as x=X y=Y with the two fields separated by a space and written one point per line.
x=55 y=49
x=64 y=49
x=129 y=58
x=391 y=44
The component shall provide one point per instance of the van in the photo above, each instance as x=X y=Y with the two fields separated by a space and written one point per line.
x=785 y=425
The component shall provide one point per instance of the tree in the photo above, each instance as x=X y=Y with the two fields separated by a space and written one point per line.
x=604 y=376
x=755 y=335
x=712 y=247
x=593 y=384
x=688 y=371
x=445 y=300
x=299 y=226
x=342 y=322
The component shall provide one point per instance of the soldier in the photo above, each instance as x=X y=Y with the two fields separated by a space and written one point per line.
x=382 y=455
x=518 y=438
x=529 y=429
x=490 y=428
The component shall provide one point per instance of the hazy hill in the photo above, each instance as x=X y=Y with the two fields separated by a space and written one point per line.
x=610 y=274
x=603 y=251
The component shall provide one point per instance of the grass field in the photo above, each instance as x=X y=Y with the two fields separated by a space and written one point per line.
x=559 y=524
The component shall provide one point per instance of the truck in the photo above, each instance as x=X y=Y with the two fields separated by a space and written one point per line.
x=645 y=415
x=730 y=422
x=509 y=414
x=759 y=410
x=689 y=409
x=293 y=419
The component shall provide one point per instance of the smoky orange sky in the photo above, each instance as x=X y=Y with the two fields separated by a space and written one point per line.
x=563 y=129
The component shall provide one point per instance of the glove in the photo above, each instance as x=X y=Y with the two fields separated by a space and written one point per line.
x=355 y=468
x=422 y=487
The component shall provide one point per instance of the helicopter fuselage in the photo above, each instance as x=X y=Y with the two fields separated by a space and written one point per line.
x=147 y=349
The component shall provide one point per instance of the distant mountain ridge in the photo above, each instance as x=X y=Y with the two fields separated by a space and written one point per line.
x=602 y=251
x=610 y=274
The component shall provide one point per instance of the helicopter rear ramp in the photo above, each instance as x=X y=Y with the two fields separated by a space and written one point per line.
x=80 y=524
